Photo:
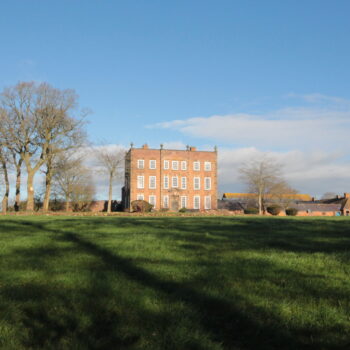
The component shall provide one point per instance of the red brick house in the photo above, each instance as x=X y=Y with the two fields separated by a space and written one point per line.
x=171 y=179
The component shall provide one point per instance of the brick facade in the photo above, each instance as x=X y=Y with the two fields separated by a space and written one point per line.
x=171 y=179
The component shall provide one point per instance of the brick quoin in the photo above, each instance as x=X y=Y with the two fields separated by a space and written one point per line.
x=131 y=191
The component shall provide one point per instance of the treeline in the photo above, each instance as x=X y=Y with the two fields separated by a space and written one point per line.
x=42 y=129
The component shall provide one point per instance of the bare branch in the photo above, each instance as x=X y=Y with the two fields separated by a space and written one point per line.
x=110 y=160
x=263 y=176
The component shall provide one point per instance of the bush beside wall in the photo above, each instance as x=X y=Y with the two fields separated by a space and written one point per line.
x=251 y=211
x=274 y=209
x=141 y=206
x=291 y=211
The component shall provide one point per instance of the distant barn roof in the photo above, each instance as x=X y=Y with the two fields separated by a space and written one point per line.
x=298 y=197
x=231 y=205
x=312 y=206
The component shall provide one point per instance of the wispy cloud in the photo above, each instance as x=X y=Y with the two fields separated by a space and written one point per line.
x=320 y=98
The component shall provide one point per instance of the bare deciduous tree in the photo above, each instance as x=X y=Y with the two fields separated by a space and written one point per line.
x=4 y=173
x=282 y=194
x=18 y=126
x=71 y=180
x=57 y=130
x=83 y=194
x=110 y=161
x=263 y=177
x=39 y=124
x=329 y=195
x=17 y=162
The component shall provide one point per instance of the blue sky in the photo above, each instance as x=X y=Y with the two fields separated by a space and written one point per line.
x=249 y=69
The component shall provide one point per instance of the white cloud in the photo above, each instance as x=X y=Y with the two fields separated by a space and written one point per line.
x=174 y=145
x=295 y=128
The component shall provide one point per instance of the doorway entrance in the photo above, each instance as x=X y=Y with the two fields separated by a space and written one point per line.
x=174 y=203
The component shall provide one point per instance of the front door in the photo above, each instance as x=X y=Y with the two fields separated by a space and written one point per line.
x=174 y=205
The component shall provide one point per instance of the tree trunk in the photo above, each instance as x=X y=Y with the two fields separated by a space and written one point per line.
x=5 y=199
x=260 y=203
x=31 y=171
x=30 y=191
x=67 y=204
x=47 y=196
x=110 y=193
x=18 y=185
x=48 y=181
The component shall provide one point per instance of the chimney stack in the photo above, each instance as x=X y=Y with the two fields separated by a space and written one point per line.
x=346 y=195
x=192 y=148
x=145 y=146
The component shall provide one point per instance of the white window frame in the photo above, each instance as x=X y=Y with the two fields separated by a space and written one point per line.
x=183 y=199
x=139 y=162
x=197 y=165
x=150 y=179
x=140 y=197
x=183 y=182
x=166 y=182
x=150 y=200
x=177 y=182
x=207 y=166
x=153 y=164
x=166 y=165
x=175 y=165
x=183 y=165
x=194 y=202
x=207 y=202
x=194 y=183
x=207 y=179
x=140 y=181
x=166 y=202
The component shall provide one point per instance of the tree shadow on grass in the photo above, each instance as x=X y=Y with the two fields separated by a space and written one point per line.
x=223 y=320
x=50 y=315
x=289 y=235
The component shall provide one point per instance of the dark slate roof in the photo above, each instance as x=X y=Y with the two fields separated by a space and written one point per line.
x=230 y=205
x=312 y=206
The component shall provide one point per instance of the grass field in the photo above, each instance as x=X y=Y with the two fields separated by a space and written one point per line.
x=174 y=283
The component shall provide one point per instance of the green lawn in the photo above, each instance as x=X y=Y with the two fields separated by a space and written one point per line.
x=174 y=283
